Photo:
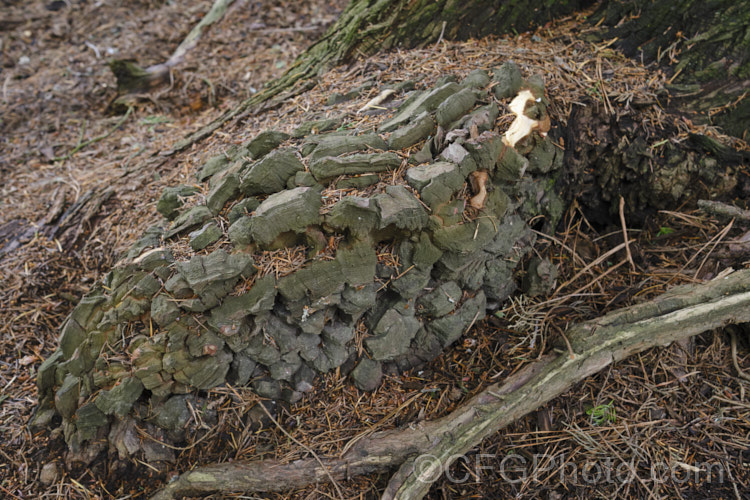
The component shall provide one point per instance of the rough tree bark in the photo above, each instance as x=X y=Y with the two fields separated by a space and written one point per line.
x=706 y=45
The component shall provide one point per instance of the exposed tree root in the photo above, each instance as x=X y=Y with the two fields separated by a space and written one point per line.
x=423 y=450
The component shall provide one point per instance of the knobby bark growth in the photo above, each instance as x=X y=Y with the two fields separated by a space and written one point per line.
x=678 y=314
x=703 y=44
x=707 y=55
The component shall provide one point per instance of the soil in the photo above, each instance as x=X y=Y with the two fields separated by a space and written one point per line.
x=675 y=419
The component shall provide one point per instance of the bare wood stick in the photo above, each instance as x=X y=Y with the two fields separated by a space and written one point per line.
x=215 y=14
x=625 y=234
x=442 y=32
x=723 y=210
x=132 y=78
x=680 y=313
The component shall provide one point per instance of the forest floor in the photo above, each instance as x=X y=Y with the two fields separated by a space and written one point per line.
x=671 y=422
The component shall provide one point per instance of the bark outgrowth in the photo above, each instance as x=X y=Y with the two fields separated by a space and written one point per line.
x=681 y=313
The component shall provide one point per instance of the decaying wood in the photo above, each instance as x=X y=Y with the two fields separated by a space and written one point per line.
x=724 y=211
x=681 y=313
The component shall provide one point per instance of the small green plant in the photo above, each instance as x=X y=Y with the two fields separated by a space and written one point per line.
x=155 y=120
x=664 y=231
x=602 y=414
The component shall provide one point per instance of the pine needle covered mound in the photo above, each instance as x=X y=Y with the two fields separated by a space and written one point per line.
x=334 y=247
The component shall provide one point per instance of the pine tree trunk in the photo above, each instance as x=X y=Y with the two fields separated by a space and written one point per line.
x=704 y=44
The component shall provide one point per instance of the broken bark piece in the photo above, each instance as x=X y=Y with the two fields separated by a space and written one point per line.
x=242 y=208
x=224 y=190
x=427 y=101
x=262 y=144
x=508 y=80
x=354 y=214
x=435 y=182
x=481 y=119
x=190 y=219
x=477 y=79
x=334 y=145
x=449 y=328
x=289 y=210
x=455 y=107
x=270 y=175
x=212 y=276
x=392 y=335
x=328 y=167
x=478 y=182
x=172 y=200
x=485 y=150
x=367 y=375
x=455 y=153
x=398 y=207
x=217 y=163
x=317 y=127
x=201 y=238
x=441 y=300
x=419 y=129
x=358 y=182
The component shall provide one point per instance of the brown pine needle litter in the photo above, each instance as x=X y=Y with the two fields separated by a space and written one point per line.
x=682 y=409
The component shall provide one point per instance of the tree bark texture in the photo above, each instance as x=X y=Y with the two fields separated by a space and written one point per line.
x=706 y=43
x=608 y=156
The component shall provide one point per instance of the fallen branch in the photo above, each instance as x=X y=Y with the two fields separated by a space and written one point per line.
x=681 y=313
x=132 y=78
x=723 y=211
